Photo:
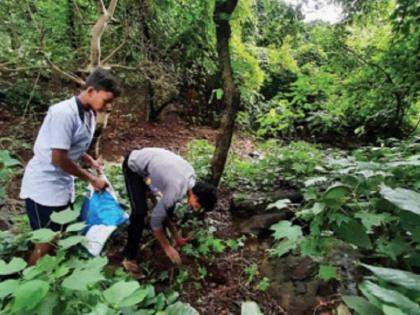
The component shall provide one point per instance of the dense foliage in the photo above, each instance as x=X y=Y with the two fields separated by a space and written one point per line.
x=355 y=78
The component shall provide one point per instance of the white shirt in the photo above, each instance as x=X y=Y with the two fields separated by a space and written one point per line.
x=62 y=128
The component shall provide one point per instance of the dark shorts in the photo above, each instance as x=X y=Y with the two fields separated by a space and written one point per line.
x=39 y=215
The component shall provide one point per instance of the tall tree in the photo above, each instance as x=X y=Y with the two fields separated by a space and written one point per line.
x=231 y=96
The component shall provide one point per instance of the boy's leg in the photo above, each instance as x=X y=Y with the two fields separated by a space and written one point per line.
x=136 y=190
x=39 y=217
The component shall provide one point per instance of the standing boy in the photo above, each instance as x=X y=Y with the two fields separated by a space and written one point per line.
x=62 y=141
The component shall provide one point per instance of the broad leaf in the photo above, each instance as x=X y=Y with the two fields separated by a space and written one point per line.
x=327 y=272
x=7 y=287
x=119 y=291
x=389 y=310
x=250 y=308
x=315 y=181
x=76 y=227
x=403 y=198
x=80 y=279
x=361 y=305
x=64 y=217
x=279 y=204
x=355 y=233
x=181 y=308
x=405 y=279
x=29 y=294
x=137 y=297
x=392 y=297
x=336 y=192
x=370 y=219
x=71 y=241
x=15 y=265
x=42 y=236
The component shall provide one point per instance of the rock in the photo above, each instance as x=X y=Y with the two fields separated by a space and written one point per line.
x=260 y=223
x=246 y=205
x=293 y=282
x=304 y=269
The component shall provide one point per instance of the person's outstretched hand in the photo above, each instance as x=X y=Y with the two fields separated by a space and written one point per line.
x=173 y=255
x=181 y=241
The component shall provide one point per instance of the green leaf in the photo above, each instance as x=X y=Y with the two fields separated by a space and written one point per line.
x=283 y=247
x=119 y=291
x=219 y=94
x=403 y=198
x=336 y=192
x=42 y=236
x=392 y=297
x=76 y=227
x=71 y=241
x=102 y=309
x=80 y=279
x=355 y=233
x=29 y=294
x=181 y=308
x=279 y=204
x=315 y=181
x=389 y=310
x=327 y=272
x=405 y=279
x=64 y=217
x=285 y=229
x=392 y=248
x=7 y=287
x=15 y=265
x=250 y=308
x=137 y=297
x=370 y=220
x=361 y=305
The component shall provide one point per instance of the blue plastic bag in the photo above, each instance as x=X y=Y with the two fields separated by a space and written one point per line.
x=102 y=209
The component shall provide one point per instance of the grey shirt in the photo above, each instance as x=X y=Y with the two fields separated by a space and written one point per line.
x=170 y=174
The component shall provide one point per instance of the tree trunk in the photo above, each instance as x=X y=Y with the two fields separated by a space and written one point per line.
x=71 y=28
x=98 y=29
x=231 y=98
x=105 y=15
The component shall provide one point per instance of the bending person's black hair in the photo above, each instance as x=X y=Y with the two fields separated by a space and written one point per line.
x=206 y=195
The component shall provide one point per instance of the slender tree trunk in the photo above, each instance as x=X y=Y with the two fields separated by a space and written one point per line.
x=231 y=98
x=71 y=28
x=105 y=15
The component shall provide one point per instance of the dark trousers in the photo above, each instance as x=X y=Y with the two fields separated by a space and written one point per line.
x=39 y=215
x=136 y=189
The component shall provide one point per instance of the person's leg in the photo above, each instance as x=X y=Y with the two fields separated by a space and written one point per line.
x=136 y=190
x=39 y=217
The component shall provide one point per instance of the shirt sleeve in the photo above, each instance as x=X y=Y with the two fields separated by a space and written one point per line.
x=159 y=212
x=61 y=129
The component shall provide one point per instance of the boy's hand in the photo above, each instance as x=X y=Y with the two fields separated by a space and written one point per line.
x=97 y=167
x=173 y=255
x=181 y=241
x=98 y=183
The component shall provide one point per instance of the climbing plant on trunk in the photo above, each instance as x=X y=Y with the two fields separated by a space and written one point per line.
x=231 y=98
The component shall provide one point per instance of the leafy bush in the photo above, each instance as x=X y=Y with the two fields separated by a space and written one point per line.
x=70 y=283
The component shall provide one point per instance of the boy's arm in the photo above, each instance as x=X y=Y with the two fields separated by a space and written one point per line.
x=61 y=159
x=180 y=241
x=171 y=252
x=90 y=161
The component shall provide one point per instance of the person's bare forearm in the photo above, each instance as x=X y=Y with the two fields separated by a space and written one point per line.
x=87 y=159
x=61 y=160
x=172 y=227
x=160 y=236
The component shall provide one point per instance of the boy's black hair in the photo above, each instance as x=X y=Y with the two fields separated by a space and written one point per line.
x=206 y=195
x=102 y=80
